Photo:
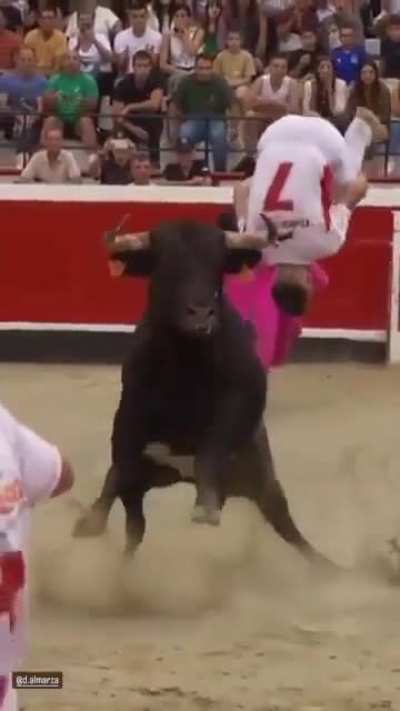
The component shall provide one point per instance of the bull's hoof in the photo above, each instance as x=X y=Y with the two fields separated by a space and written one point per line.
x=201 y=514
x=91 y=525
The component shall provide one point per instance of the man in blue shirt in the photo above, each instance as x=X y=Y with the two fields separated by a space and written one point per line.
x=349 y=58
x=24 y=89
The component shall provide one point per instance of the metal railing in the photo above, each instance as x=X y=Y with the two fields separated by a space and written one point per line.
x=15 y=130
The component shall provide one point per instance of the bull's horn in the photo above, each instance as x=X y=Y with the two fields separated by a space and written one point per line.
x=110 y=235
x=247 y=240
x=127 y=243
x=253 y=240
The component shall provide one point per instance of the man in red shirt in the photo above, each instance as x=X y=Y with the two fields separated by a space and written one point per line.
x=10 y=43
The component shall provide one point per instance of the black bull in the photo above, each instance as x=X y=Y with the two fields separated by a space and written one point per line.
x=193 y=382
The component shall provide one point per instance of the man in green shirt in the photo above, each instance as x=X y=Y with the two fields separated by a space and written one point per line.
x=203 y=99
x=70 y=98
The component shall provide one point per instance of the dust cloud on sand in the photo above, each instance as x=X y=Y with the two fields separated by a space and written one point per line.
x=230 y=618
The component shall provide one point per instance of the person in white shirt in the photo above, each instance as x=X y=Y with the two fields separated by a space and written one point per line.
x=307 y=180
x=106 y=23
x=138 y=36
x=93 y=48
x=271 y=96
x=288 y=41
x=52 y=165
x=31 y=470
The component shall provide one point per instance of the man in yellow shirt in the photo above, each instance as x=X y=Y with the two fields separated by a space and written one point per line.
x=237 y=67
x=48 y=43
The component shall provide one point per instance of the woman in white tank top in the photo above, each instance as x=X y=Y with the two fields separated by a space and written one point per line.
x=179 y=47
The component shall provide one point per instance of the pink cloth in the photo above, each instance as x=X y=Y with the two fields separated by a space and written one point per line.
x=276 y=331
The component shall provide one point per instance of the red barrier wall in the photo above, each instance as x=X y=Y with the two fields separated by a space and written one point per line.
x=53 y=267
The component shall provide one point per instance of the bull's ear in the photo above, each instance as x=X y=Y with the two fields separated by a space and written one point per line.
x=139 y=263
x=237 y=259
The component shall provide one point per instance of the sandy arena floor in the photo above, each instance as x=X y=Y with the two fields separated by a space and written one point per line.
x=226 y=619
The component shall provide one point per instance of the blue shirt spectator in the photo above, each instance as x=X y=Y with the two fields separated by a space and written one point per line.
x=348 y=59
x=24 y=87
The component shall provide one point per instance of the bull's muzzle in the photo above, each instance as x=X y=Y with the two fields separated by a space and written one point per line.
x=200 y=321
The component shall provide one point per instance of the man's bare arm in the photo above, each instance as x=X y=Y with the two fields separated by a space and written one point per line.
x=66 y=480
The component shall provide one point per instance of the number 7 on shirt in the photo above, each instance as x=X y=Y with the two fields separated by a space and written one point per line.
x=273 y=199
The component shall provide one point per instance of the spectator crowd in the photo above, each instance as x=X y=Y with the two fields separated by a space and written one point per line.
x=195 y=72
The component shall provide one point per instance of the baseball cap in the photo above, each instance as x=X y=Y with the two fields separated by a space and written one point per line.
x=183 y=145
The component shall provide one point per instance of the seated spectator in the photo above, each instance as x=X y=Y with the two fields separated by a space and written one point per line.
x=12 y=15
x=326 y=95
x=53 y=164
x=10 y=43
x=137 y=94
x=203 y=99
x=271 y=96
x=271 y=13
x=214 y=29
x=332 y=40
x=390 y=49
x=48 y=43
x=247 y=14
x=371 y=92
x=113 y=165
x=24 y=89
x=288 y=41
x=349 y=57
x=179 y=47
x=141 y=169
x=343 y=16
x=186 y=169
x=152 y=22
x=164 y=11
x=71 y=97
x=235 y=64
x=95 y=53
x=305 y=17
x=304 y=61
x=106 y=23
x=324 y=9
x=137 y=37
x=237 y=67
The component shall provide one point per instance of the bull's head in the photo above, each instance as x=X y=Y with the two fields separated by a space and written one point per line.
x=186 y=263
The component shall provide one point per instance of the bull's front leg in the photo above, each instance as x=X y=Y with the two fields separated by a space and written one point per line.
x=209 y=465
x=231 y=426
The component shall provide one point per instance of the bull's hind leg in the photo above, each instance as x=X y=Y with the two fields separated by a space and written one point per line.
x=262 y=486
x=132 y=501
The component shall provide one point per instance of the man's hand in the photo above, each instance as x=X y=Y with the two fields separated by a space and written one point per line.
x=272 y=232
x=66 y=480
